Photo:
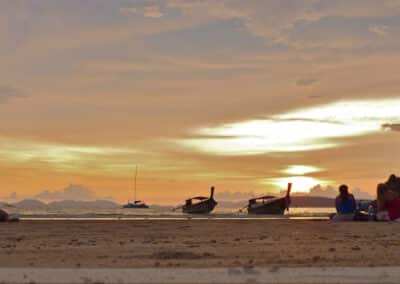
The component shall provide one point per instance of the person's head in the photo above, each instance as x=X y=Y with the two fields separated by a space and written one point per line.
x=343 y=190
x=392 y=178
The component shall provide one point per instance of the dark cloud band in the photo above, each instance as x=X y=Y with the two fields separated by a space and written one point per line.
x=392 y=126
x=8 y=92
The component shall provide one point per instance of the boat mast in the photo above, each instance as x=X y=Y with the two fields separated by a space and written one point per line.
x=135 y=184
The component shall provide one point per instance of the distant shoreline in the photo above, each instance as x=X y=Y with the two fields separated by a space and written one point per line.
x=296 y=201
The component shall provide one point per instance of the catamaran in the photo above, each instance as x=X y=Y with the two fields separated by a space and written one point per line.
x=136 y=204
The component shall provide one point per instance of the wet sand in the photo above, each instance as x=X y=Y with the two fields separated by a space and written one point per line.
x=197 y=244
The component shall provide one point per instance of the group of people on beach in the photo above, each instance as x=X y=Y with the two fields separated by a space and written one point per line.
x=386 y=207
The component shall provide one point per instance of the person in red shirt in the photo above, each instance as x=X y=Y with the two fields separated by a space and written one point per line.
x=393 y=205
x=388 y=200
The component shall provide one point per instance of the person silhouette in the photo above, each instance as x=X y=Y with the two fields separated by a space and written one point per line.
x=345 y=201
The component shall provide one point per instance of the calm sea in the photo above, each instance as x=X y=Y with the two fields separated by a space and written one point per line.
x=156 y=214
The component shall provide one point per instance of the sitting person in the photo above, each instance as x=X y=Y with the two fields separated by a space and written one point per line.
x=345 y=202
x=388 y=200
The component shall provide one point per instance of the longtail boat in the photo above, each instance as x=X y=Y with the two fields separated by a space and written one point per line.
x=270 y=204
x=200 y=204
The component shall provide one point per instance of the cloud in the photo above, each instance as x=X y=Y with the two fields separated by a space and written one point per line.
x=321 y=191
x=153 y=11
x=8 y=92
x=13 y=196
x=379 y=30
x=312 y=128
x=72 y=192
x=66 y=157
x=234 y=196
x=331 y=192
x=315 y=191
x=315 y=96
x=307 y=81
x=392 y=126
x=331 y=24
x=206 y=9
x=128 y=10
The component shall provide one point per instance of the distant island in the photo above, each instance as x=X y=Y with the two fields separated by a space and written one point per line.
x=297 y=201
x=312 y=201
x=33 y=203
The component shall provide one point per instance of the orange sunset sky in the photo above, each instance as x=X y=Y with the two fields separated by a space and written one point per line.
x=243 y=95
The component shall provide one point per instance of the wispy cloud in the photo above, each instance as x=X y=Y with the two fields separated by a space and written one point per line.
x=331 y=192
x=72 y=192
x=128 y=10
x=8 y=92
x=306 y=81
x=153 y=11
x=379 y=30
x=114 y=81
x=66 y=157
x=308 y=129
x=392 y=126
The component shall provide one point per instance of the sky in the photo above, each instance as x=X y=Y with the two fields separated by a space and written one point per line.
x=244 y=95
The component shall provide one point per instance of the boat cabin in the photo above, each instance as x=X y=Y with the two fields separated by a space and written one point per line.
x=261 y=199
x=195 y=200
x=200 y=204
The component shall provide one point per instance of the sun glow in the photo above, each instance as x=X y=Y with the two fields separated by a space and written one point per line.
x=301 y=170
x=299 y=183
x=308 y=129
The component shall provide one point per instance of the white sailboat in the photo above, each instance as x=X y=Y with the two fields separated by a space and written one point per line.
x=136 y=204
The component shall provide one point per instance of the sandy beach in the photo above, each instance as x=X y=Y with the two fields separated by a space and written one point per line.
x=197 y=244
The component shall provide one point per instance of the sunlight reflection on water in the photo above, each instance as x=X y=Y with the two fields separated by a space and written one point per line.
x=159 y=214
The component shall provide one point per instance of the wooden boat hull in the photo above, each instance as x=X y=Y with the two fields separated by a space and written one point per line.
x=274 y=207
x=203 y=207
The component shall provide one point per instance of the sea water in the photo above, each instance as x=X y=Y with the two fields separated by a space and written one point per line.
x=158 y=213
